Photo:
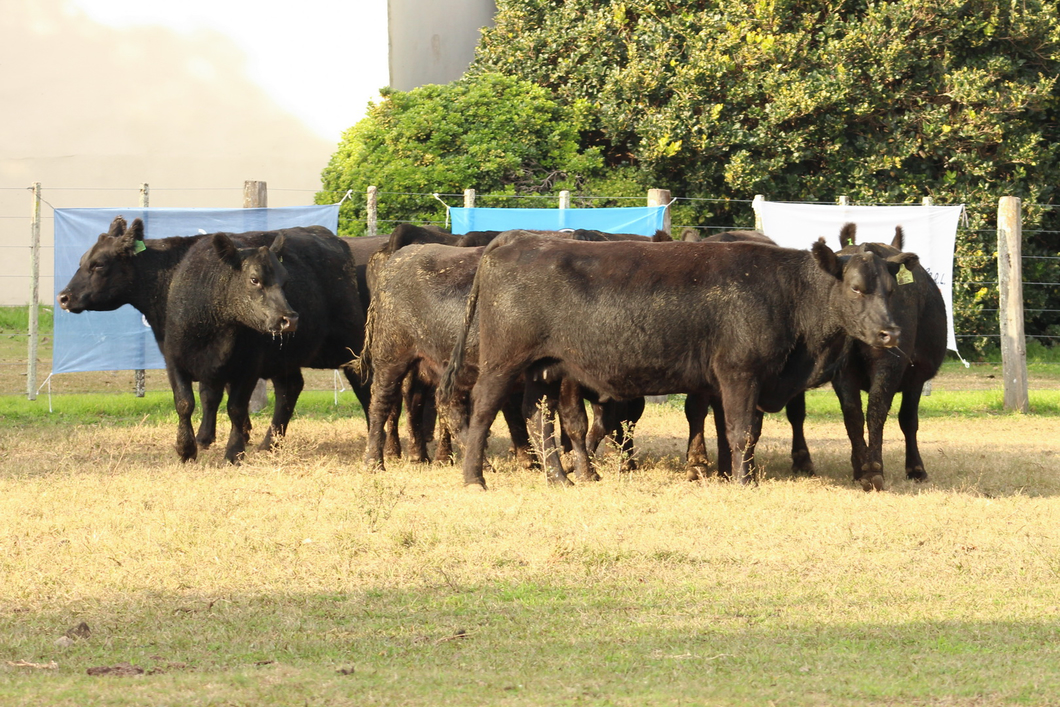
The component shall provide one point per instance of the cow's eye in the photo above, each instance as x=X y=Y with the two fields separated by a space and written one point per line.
x=254 y=281
x=856 y=290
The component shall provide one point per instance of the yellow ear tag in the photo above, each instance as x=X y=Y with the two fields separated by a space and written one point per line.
x=904 y=276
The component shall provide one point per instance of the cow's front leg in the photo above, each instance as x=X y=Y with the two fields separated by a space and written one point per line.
x=739 y=401
x=210 y=397
x=880 y=399
x=239 y=393
x=849 y=394
x=184 y=402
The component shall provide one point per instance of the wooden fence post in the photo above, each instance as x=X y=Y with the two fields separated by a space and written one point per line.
x=34 y=326
x=256 y=196
x=372 y=212
x=1010 y=291
x=469 y=198
x=564 y=199
x=755 y=204
x=139 y=377
x=661 y=197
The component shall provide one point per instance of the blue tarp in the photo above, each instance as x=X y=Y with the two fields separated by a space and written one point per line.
x=121 y=340
x=642 y=220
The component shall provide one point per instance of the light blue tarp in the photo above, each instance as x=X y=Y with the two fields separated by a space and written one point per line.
x=642 y=220
x=121 y=340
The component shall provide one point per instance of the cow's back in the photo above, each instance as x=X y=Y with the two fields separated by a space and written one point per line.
x=635 y=304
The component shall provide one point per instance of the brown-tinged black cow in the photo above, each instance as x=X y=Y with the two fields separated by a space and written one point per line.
x=124 y=268
x=419 y=295
x=418 y=299
x=363 y=248
x=697 y=405
x=757 y=323
x=921 y=313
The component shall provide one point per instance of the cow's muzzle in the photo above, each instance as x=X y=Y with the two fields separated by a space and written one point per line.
x=288 y=324
x=887 y=338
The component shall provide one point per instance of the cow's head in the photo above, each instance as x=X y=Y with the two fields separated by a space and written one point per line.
x=106 y=275
x=864 y=287
x=255 y=294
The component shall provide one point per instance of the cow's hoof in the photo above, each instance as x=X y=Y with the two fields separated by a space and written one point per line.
x=372 y=465
x=916 y=474
x=802 y=464
x=204 y=443
x=559 y=480
x=475 y=487
x=872 y=483
x=590 y=477
x=697 y=472
x=628 y=466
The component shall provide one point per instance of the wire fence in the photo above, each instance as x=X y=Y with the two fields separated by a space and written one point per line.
x=1040 y=290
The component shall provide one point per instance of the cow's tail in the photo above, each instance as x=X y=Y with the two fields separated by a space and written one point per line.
x=447 y=384
x=362 y=365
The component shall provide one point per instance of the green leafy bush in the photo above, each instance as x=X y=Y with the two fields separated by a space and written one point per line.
x=886 y=102
x=494 y=133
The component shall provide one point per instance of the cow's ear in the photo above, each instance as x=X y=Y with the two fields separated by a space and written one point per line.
x=226 y=250
x=117 y=227
x=848 y=234
x=895 y=262
x=278 y=244
x=899 y=239
x=826 y=259
x=127 y=239
x=661 y=236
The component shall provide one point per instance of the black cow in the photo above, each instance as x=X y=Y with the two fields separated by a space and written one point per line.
x=921 y=313
x=757 y=323
x=220 y=299
x=123 y=268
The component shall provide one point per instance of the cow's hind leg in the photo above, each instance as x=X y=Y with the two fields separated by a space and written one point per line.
x=540 y=400
x=801 y=463
x=909 y=421
x=287 y=387
x=696 y=463
x=512 y=409
x=486 y=399
x=416 y=394
x=576 y=424
x=386 y=394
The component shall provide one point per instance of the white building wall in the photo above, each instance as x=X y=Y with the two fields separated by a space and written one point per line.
x=434 y=42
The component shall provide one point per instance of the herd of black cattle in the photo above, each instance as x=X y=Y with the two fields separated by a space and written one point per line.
x=532 y=323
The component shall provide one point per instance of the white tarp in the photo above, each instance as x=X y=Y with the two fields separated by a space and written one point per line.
x=930 y=232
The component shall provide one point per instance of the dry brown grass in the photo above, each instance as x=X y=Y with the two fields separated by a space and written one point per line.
x=98 y=522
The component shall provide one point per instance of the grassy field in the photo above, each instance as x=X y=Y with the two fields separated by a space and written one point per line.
x=127 y=578
x=298 y=578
